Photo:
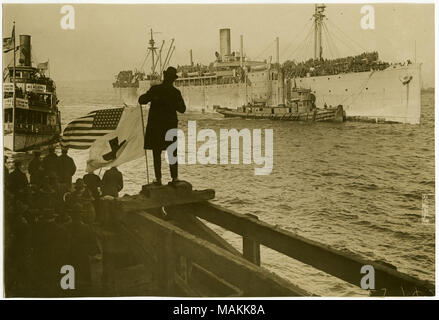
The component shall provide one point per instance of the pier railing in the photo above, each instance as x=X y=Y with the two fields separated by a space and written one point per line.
x=191 y=259
x=343 y=265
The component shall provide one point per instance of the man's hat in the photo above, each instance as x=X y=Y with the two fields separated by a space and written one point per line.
x=171 y=72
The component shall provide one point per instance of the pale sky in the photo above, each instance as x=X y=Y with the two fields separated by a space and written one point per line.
x=108 y=38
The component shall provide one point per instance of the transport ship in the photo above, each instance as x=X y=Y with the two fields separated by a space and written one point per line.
x=368 y=89
x=31 y=118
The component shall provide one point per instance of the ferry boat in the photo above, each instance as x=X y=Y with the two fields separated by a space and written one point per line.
x=31 y=118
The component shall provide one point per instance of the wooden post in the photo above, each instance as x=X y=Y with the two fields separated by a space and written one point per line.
x=166 y=264
x=251 y=248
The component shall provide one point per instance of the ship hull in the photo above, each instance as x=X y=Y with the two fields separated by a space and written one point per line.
x=376 y=95
x=25 y=142
x=379 y=96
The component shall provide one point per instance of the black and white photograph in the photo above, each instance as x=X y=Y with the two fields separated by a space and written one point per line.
x=218 y=150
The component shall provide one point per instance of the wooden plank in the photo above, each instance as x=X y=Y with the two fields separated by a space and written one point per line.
x=194 y=226
x=166 y=263
x=343 y=265
x=253 y=280
x=161 y=198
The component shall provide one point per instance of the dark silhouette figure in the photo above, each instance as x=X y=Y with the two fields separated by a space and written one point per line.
x=83 y=245
x=5 y=171
x=17 y=179
x=66 y=168
x=92 y=183
x=52 y=244
x=112 y=182
x=35 y=169
x=165 y=100
x=50 y=162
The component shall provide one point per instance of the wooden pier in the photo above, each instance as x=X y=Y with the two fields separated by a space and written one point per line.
x=154 y=244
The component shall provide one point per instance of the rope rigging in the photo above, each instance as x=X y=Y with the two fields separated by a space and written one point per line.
x=285 y=50
x=262 y=53
x=345 y=35
x=303 y=44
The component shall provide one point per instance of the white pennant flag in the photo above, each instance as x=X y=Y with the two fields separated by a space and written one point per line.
x=121 y=145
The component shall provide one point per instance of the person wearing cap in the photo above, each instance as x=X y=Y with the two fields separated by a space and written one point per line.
x=66 y=168
x=50 y=162
x=17 y=179
x=165 y=100
x=35 y=168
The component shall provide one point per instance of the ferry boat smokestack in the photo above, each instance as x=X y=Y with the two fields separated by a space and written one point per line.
x=225 y=42
x=25 y=51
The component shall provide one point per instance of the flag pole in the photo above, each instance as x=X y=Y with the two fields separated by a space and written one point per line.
x=15 y=96
x=146 y=152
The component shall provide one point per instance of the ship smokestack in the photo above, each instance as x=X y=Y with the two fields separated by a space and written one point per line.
x=225 y=42
x=25 y=51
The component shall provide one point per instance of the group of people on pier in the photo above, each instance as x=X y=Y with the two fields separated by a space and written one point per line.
x=51 y=223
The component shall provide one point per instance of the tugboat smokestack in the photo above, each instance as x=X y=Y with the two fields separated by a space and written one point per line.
x=25 y=51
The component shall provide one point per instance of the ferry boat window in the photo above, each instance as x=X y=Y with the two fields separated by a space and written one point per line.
x=8 y=95
x=8 y=115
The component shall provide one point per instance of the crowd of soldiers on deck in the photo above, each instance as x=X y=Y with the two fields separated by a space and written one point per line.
x=365 y=61
x=51 y=223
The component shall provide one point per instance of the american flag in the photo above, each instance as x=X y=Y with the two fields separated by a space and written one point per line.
x=83 y=131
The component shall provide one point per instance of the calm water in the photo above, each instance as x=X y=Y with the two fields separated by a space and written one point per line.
x=354 y=186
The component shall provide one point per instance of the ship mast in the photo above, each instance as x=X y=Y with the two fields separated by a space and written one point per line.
x=152 y=48
x=318 y=22
x=15 y=96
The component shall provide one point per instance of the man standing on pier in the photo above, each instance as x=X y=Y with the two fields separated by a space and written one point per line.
x=66 y=168
x=165 y=100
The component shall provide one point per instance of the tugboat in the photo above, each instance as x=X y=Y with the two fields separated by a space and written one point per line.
x=300 y=106
x=31 y=115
